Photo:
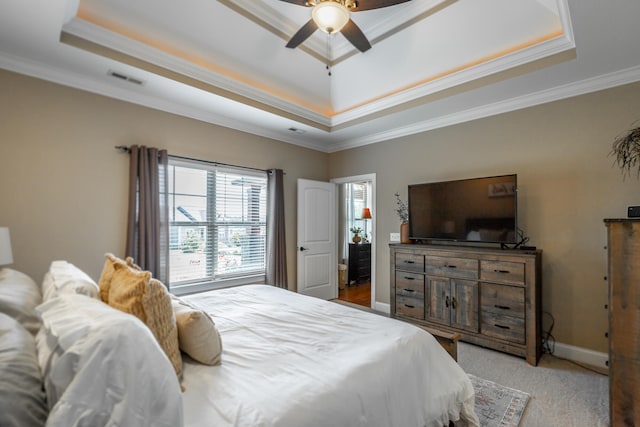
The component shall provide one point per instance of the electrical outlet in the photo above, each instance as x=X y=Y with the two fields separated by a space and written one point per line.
x=394 y=237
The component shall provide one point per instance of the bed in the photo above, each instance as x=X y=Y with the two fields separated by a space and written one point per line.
x=287 y=360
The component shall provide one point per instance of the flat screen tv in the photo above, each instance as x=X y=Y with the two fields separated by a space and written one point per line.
x=468 y=210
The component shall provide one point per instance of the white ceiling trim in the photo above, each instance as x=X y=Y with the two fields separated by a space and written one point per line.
x=104 y=37
x=525 y=56
x=606 y=81
x=78 y=81
x=395 y=19
x=81 y=82
x=111 y=40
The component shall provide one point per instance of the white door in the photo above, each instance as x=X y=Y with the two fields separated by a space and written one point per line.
x=317 y=242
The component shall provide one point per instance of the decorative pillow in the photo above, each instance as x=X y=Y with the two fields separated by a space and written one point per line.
x=107 y=272
x=64 y=277
x=19 y=296
x=134 y=292
x=108 y=371
x=197 y=333
x=22 y=401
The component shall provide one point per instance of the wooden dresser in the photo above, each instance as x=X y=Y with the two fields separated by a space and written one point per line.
x=359 y=262
x=623 y=243
x=490 y=297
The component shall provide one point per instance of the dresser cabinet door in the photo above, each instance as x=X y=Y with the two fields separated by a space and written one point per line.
x=464 y=305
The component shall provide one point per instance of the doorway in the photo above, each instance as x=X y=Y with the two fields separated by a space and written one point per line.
x=356 y=211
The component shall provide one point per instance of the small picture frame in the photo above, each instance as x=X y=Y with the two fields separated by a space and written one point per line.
x=502 y=189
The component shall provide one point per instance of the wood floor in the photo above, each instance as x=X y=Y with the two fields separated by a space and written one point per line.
x=357 y=294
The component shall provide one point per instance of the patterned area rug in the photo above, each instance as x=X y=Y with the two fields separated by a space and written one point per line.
x=496 y=405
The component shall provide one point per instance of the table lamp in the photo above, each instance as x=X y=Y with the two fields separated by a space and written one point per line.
x=6 y=256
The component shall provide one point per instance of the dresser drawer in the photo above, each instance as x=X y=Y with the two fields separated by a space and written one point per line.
x=506 y=328
x=409 y=306
x=502 y=272
x=409 y=262
x=459 y=268
x=502 y=300
x=414 y=281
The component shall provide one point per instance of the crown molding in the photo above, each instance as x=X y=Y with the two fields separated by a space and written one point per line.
x=582 y=87
x=272 y=20
x=545 y=49
x=124 y=93
x=116 y=42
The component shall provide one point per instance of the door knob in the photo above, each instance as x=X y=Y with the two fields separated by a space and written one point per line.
x=302 y=249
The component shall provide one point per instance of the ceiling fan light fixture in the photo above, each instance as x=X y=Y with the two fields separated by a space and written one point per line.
x=330 y=16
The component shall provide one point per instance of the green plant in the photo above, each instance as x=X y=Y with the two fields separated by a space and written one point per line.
x=626 y=150
x=402 y=209
x=191 y=243
x=356 y=230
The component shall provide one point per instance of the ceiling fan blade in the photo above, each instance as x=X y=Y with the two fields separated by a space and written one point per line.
x=373 y=4
x=354 y=34
x=298 y=2
x=303 y=33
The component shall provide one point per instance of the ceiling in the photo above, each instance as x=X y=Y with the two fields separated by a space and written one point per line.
x=433 y=62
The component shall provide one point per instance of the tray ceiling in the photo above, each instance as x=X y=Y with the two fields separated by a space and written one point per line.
x=225 y=61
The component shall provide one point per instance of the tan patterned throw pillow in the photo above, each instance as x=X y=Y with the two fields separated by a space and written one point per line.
x=135 y=292
x=197 y=333
x=105 y=276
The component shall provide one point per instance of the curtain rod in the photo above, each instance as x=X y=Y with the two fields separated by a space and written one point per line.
x=128 y=150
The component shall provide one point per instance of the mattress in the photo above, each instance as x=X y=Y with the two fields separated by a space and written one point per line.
x=293 y=360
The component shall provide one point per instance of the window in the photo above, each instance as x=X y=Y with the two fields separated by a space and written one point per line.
x=217 y=225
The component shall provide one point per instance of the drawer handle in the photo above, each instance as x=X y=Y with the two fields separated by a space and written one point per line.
x=446 y=301
x=501 y=271
x=453 y=303
x=409 y=278
x=406 y=261
x=409 y=290
x=502 y=307
x=501 y=326
x=409 y=306
x=451 y=266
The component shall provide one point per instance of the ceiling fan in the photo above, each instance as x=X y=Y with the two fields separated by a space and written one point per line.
x=332 y=16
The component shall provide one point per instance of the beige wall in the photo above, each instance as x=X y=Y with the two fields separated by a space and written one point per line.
x=63 y=185
x=567 y=185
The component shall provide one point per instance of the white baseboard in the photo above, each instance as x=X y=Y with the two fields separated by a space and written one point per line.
x=564 y=351
x=582 y=355
x=382 y=307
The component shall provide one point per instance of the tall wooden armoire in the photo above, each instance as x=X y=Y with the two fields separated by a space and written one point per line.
x=624 y=320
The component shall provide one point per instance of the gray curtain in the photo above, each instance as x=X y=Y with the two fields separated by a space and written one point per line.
x=276 y=241
x=147 y=225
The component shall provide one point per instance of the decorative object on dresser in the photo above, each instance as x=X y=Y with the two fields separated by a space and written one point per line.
x=359 y=262
x=491 y=297
x=356 y=234
x=402 y=210
x=6 y=256
x=623 y=251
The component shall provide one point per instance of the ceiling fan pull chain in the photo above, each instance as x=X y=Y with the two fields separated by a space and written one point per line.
x=328 y=54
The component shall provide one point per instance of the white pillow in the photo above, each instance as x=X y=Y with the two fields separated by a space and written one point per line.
x=19 y=296
x=197 y=332
x=64 y=277
x=108 y=368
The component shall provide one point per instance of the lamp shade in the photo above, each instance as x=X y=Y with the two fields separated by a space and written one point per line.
x=366 y=213
x=6 y=257
x=330 y=16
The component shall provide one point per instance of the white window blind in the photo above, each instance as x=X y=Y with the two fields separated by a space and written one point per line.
x=217 y=223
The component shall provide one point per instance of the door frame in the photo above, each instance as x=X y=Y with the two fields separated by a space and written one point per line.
x=370 y=177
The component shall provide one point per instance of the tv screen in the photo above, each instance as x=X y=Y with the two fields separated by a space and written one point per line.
x=474 y=210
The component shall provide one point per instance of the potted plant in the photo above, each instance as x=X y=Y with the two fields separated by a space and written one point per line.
x=356 y=234
x=626 y=150
x=402 y=210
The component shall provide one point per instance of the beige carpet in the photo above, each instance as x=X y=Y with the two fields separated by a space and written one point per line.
x=561 y=393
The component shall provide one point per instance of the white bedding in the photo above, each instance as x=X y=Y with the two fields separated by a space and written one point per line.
x=296 y=361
